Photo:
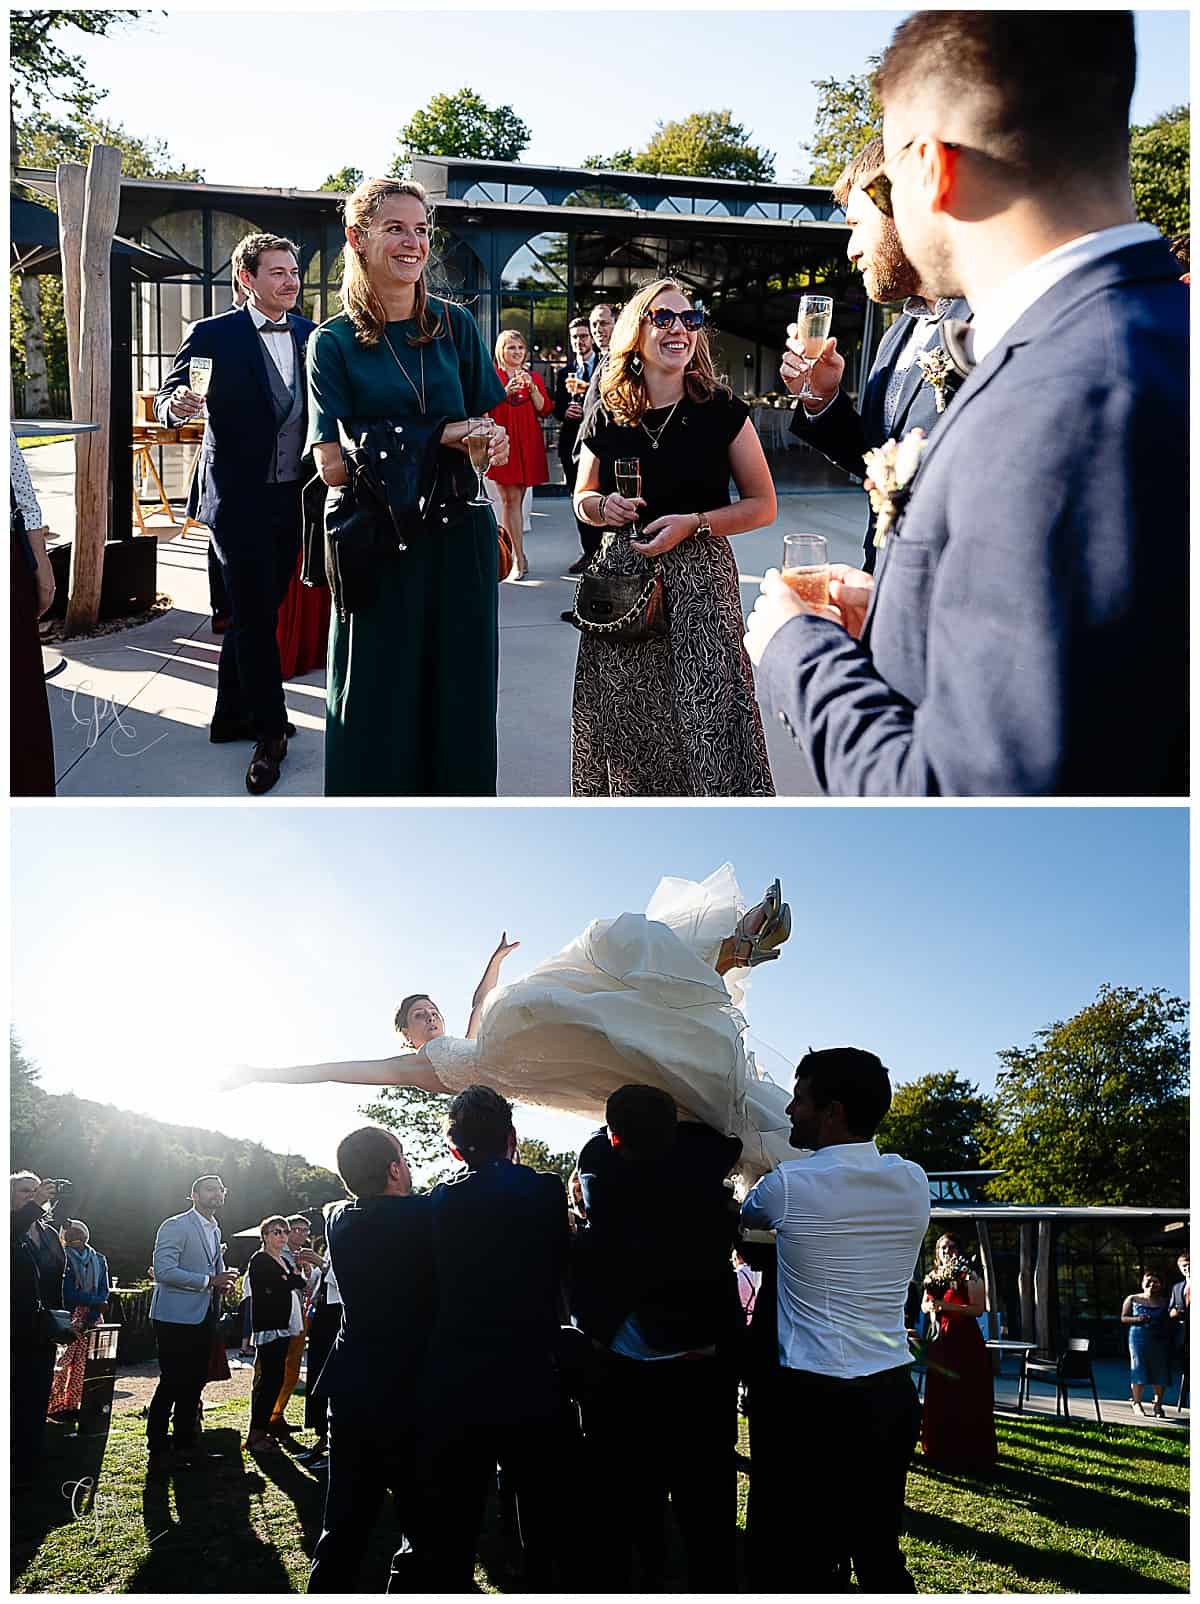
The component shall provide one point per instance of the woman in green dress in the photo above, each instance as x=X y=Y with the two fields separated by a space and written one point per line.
x=411 y=699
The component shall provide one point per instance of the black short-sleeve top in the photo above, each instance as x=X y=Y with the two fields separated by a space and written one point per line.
x=688 y=470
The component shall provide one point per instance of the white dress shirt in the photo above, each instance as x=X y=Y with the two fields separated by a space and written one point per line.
x=849 y=1222
x=281 y=351
x=998 y=309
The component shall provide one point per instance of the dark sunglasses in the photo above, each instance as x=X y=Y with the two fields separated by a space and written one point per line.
x=879 y=188
x=663 y=318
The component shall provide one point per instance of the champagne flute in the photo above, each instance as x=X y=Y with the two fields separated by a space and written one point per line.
x=200 y=376
x=627 y=471
x=813 y=318
x=479 y=441
x=806 y=568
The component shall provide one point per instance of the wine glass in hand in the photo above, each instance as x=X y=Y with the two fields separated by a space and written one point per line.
x=479 y=445
x=813 y=318
x=627 y=471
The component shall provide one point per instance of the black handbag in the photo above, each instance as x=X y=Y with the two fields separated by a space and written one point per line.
x=622 y=607
x=56 y=1325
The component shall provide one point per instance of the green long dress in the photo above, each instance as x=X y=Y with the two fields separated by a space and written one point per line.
x=411 y=698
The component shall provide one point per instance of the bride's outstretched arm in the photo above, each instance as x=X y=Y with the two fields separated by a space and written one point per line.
x=488 y=981
x=408 y=1069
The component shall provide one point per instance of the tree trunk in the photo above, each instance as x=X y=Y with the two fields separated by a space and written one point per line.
x=1025 y=1283
x=989 y=1268
x=70 y=184
x=37 y=380
x=101 y=205
x=1043 y=1277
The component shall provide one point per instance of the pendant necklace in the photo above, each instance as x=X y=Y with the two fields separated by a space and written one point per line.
x=655 y=435
x=420 y=394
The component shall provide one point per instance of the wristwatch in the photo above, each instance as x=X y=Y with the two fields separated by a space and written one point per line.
x=703 y=527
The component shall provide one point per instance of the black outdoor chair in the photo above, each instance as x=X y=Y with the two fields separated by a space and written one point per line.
x=1072 y=1368
x=1184 y=1388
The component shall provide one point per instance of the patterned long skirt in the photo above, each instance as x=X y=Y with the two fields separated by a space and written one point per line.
x=676 y=716
x=66 y=1390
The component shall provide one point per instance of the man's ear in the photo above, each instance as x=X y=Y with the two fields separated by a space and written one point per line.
x=939 y=165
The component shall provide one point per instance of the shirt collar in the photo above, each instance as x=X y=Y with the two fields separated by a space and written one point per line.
x=916 y=306
x=259 y=318
x=856 y=1154
x=996 y=311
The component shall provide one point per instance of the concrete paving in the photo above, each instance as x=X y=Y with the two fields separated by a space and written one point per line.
x=1112 y=1384
x=131 y=710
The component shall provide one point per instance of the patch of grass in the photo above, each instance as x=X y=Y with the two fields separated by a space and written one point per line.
x=30 y=441
x=1071 y=1508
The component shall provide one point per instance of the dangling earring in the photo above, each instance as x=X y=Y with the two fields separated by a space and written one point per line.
x=636 y=365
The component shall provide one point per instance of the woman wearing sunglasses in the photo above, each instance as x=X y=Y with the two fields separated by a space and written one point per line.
x=675 y=714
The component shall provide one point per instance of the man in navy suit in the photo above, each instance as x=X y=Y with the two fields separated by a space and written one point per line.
x=381 y=1252
x=897 y=396
x=249 y=482
x=1026 y=633
x=490 y=1390
x=568 y=409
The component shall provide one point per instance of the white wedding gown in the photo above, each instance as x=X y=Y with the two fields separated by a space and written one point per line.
x=632 y=999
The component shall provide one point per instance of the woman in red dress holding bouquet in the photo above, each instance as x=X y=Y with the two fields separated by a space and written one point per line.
x=958 y=1431
x=525 y=403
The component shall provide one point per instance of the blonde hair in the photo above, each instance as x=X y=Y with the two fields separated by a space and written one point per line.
x=359 y=301
x=502 y=339
x=623 y=385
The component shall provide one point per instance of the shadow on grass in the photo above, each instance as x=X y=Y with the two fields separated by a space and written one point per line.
x=63 y=1491
x=1115 y=1442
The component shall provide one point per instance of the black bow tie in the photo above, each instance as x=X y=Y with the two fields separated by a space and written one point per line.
x=274 y=328
x=953 y=333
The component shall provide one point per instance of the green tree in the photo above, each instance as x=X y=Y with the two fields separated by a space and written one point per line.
x=24 y=1099
x=1159 y=163
x=1095 y=1110
x=44 y=140
x=537 y=1156
x=344 y=180
x=934 y=1120
x=462 y=124
x=847 y=115
x=706 y=144
x=41 y=69
x=417 y=1119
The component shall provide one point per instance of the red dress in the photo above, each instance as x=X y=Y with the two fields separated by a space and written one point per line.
x=302 y=628
x=958 y=1431
x=526 y=463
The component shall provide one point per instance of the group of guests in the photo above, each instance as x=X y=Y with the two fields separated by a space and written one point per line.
x=1158 y=1325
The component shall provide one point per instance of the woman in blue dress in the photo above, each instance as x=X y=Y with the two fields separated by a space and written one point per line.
x=1149 y=1341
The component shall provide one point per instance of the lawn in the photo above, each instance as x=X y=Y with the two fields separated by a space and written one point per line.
x=1072 y=1508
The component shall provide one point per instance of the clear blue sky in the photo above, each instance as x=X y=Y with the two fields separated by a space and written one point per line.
x=584 y=80
x=154 y=946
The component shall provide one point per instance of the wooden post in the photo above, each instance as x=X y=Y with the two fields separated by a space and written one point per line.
x=1025 y=1283
x=989 y=1267
x=101 y=203
x=70 y=183
x=1042 y=1278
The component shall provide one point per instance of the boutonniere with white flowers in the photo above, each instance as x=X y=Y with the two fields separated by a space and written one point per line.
x=938 y=370
x=891 y=469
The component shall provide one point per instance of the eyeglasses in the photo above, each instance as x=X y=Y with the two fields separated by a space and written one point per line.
x=663 y=318
x=879 y=188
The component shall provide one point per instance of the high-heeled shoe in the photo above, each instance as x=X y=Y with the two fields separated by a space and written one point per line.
x=742 y=950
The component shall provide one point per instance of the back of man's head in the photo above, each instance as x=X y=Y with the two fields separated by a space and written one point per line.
x=855 y=1079
x=364 y=1160
x=1045 y=93
x=641 y=1121
x=479 y=1126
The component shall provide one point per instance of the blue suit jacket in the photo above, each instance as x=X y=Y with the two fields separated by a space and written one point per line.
x=1028 y=630
x=843 y=435
x=381 y=1251
x=182 y=1267
x=500 y=1248
x=240 y=430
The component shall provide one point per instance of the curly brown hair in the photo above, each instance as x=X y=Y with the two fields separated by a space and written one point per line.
x=622 y=389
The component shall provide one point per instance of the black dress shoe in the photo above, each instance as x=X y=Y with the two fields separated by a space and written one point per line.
x=567 y=617
x=197 y=1459
x=263 y=772
x=578 y=567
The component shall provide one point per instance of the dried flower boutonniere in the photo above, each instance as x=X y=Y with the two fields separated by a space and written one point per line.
x=891 y=469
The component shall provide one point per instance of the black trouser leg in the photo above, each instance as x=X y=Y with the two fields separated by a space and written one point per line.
x=270 y=1363
x=257 y=556
x=184 y=1353
x=458 y=1467
x=218 y=601
x=31 y=1374
x=362 y=1466
x=700 y=1434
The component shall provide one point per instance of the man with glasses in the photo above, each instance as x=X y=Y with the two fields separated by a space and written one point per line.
x=897 y=396
x=1026 y=631
x=189 y=1280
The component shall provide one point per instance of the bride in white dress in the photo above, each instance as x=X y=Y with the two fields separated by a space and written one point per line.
x=651 y=998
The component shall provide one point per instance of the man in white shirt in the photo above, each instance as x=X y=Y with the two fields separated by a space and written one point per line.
x=849 y=1224
x=1031 y=592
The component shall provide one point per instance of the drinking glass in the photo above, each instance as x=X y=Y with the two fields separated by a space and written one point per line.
x=200 y=376
x=627 y=471
x=813 y=319
x=479 y=440
x=806 y=568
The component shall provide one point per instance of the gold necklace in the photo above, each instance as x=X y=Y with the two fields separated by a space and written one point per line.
x=420 y=394
x=655 y=435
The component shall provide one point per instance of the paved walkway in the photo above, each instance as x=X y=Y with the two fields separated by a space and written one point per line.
x=131 y=710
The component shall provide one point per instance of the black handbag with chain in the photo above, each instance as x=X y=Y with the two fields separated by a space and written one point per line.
x=622 y=607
